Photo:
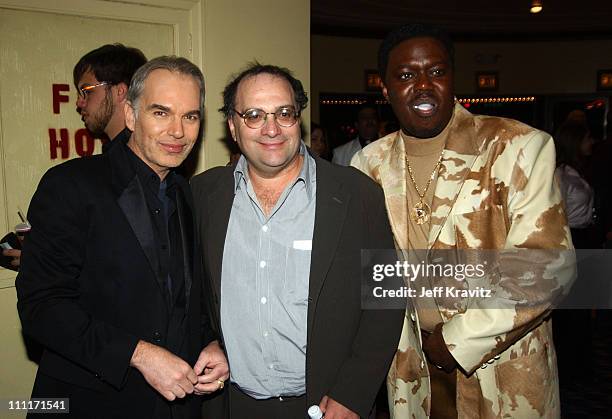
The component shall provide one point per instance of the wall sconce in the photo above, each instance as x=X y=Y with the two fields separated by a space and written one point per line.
x=373 y=82
x=604 y=80
x=487 y=81
x=536 y=6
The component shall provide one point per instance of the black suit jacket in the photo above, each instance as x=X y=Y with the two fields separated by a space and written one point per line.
x=348 y=349
x=89 y=288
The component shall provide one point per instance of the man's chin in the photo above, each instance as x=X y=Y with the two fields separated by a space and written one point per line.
x=96 y=132
x=423 y=133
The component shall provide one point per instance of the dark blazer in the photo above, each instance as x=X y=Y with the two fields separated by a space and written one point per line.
x=348 y=349
x=89 y=288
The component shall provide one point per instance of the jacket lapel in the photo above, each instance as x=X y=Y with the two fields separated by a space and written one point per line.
x=185 y=219
x=134 y=207
x=219 y=210
x=330 y=213
x=393 y=181
x=131 y=200
x=460 y=152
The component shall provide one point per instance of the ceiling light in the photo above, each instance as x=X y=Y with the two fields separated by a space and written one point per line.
x=536 y=6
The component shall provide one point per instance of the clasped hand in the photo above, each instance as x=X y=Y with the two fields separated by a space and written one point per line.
x=174 y=378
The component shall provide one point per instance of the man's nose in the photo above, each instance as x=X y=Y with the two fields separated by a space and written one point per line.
x=80 y=102
x=423 y=81
x=271 y=127
x=176 y=127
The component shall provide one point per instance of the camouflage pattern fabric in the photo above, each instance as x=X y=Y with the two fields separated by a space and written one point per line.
x=495 y=191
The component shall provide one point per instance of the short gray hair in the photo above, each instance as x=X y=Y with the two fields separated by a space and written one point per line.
x=171 y=63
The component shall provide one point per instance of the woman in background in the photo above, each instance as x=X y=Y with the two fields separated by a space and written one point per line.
x=318 y=141
x=574 y=146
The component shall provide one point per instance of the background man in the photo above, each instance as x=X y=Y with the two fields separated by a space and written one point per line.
x=453 y=180
x=286 y=288
x=108 y=285
x=102 y=77
x=367 y=130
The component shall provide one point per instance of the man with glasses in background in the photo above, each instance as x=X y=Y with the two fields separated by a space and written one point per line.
x=102 y=77
x=282 y=233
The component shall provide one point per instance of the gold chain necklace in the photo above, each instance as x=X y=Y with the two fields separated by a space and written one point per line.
x=421 y=212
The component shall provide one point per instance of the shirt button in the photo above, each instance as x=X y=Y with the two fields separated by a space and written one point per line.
x=262 y=264
x=412 y=317
x=263 y=300
x=271 y=366
x=265 y=229
x=156 y=211
x=265 y=334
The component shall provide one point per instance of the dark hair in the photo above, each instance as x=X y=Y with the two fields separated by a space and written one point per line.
x=327 y=152
x=314 y=126
x=568 y=142
x=171 y=63
x=366 y=105
x=410 y=31
x=114 y=63
x=254 y=69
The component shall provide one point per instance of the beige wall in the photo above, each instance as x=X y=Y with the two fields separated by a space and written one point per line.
x=219 y=35
x=237 y=32
x=338 y=65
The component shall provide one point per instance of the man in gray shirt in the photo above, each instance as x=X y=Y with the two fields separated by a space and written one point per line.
x=282 y=233
x=366 y=123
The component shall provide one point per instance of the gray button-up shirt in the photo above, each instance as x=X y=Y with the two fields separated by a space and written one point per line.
x=264 y=285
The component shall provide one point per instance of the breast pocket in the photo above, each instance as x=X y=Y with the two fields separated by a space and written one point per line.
x=297 y=271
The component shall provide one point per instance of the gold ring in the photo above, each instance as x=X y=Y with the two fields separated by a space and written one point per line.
x=221 y=384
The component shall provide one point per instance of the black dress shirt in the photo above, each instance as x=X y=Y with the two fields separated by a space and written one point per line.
x=161 y=199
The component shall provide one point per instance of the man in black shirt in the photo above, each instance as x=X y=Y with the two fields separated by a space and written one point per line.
x=111 y=283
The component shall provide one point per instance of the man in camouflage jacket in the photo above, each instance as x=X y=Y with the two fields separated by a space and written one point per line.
x=495 y=191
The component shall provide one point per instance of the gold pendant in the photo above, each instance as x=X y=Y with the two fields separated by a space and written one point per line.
x=420 y=212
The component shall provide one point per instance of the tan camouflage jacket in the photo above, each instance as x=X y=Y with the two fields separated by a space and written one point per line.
x=495 y=190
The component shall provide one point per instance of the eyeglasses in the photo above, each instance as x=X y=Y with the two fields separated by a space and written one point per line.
x=256 y=118
x=86 y=90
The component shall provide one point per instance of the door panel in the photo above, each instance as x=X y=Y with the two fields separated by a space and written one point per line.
x=39 y=126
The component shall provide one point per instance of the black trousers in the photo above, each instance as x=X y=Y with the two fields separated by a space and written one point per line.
x=246 y=407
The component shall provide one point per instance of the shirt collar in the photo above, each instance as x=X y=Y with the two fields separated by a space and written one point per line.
x=146 y=175
x=121 y=138
x=363 y=142
x=307 y=172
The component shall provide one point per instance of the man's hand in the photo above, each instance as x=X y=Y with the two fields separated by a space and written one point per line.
x=165 y=372
x=334 y=410
x=211 y=368
x=15 y=254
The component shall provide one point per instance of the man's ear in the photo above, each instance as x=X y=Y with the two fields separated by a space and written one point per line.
x=384 y=91
x=130 y=116
x=232 y=127
x=121 y=90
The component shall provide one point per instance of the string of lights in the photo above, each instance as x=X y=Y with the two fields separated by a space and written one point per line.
x=475 y=100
